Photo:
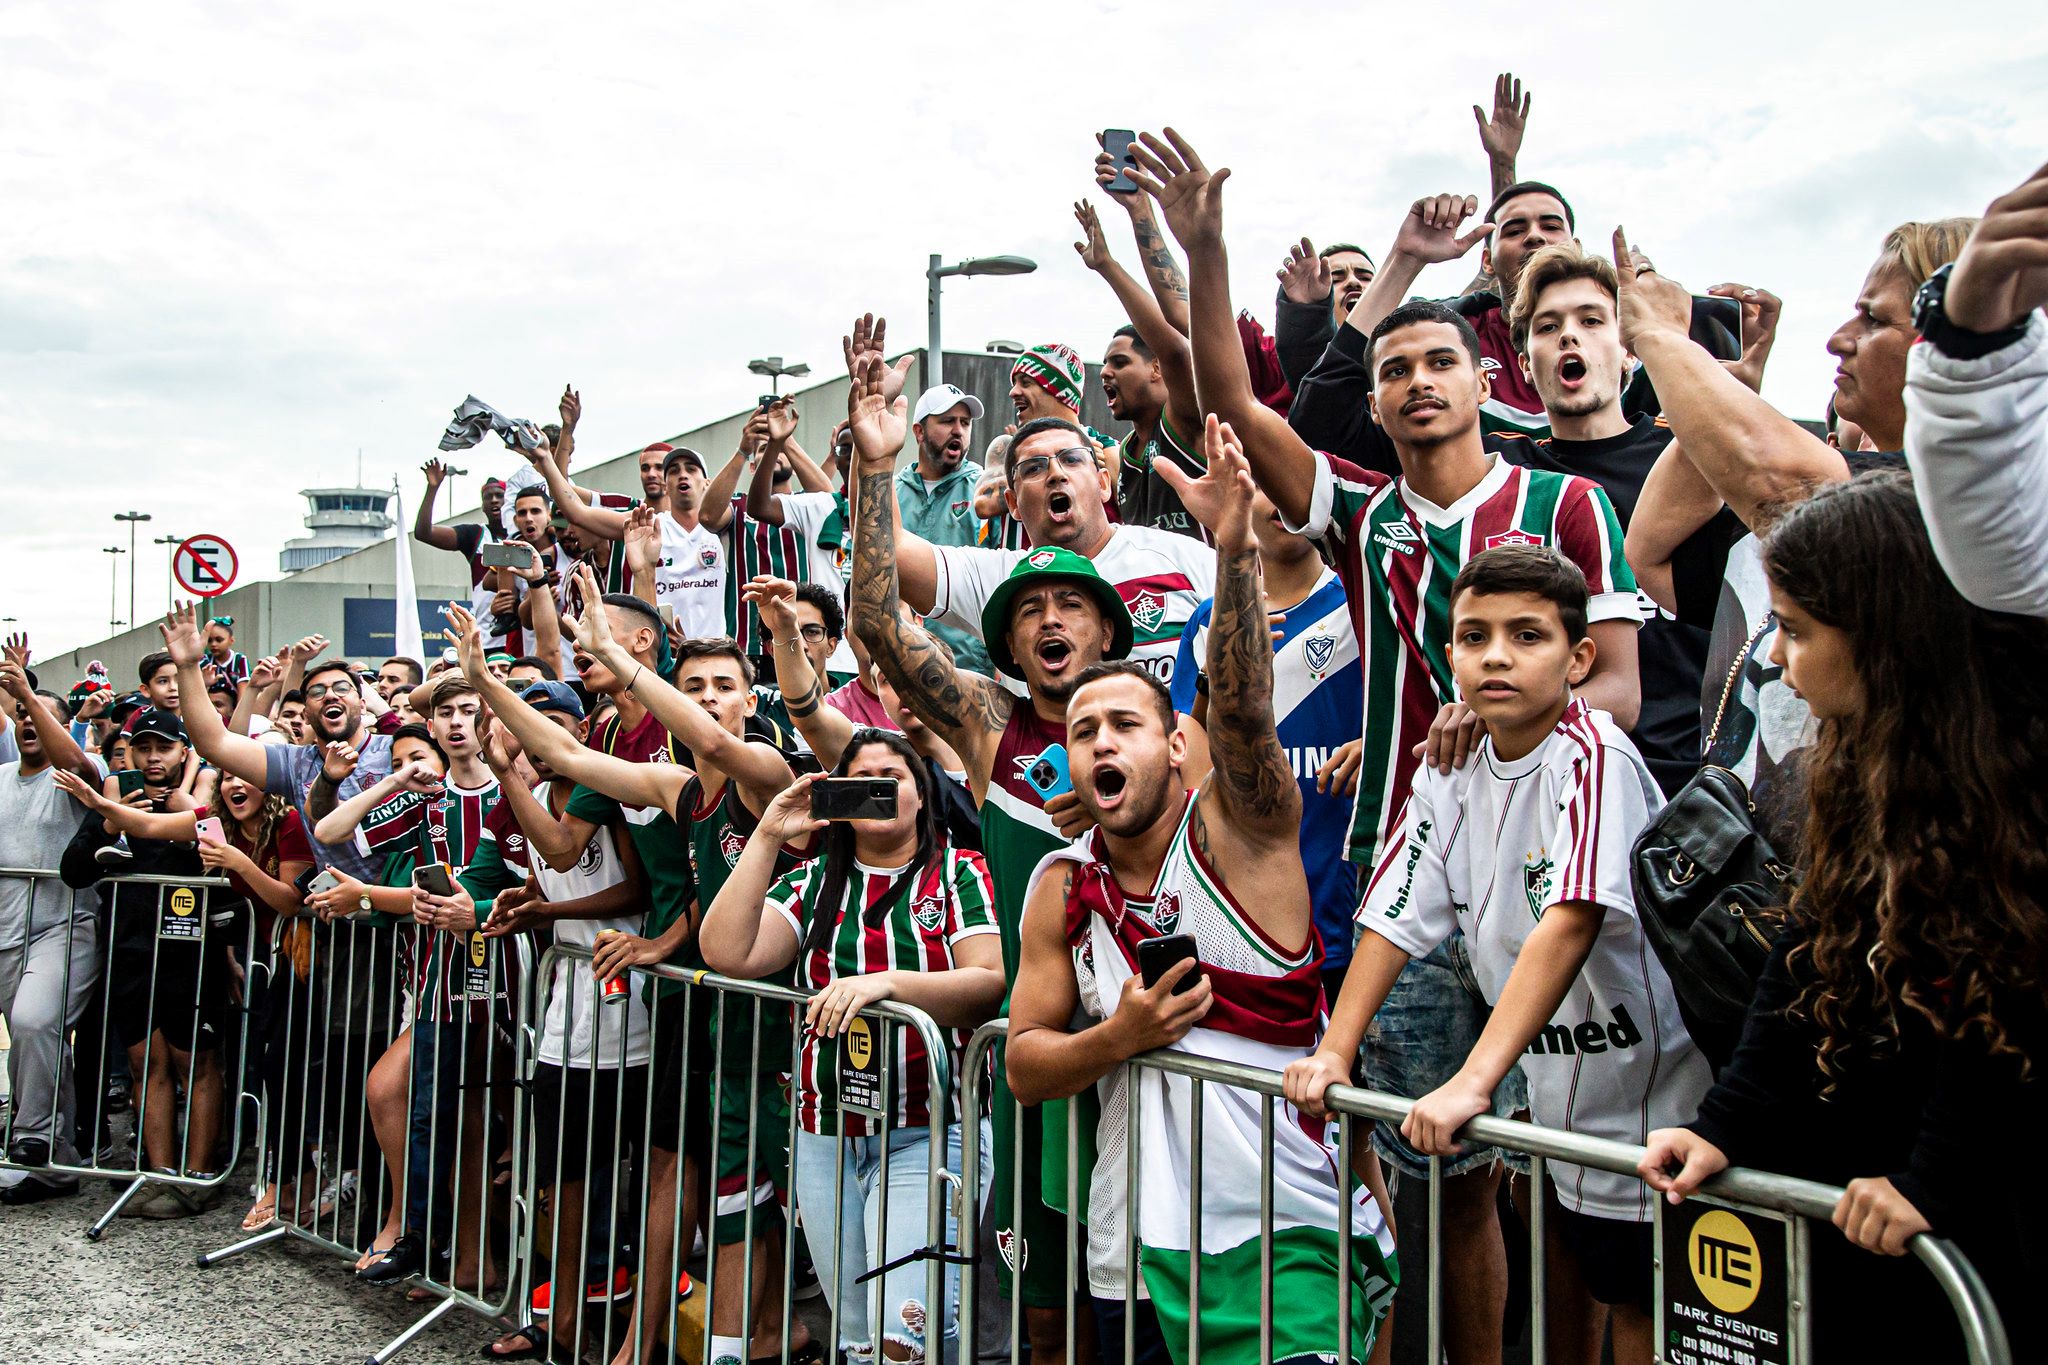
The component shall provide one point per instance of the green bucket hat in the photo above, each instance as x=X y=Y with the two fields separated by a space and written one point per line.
x=1042 y=565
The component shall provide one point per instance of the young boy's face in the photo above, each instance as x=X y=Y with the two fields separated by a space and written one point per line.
x=1511 y=658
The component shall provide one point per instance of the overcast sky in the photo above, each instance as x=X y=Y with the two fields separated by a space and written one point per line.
x=242 y=242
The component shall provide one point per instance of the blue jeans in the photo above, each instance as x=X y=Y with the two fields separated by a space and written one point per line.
x=431 y=1148
x=841 y=1224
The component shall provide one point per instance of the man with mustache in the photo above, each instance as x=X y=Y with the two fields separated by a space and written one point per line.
x=936 y=494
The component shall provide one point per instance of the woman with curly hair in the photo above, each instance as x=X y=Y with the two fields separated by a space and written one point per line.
x=1893 y=1042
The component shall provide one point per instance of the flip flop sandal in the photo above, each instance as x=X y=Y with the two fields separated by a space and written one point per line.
x=371 y=1257
x=535 y=1348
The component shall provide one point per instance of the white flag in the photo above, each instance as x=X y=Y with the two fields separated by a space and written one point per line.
x=405 y=637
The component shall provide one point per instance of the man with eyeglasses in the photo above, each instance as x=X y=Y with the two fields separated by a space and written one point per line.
x=297 y=772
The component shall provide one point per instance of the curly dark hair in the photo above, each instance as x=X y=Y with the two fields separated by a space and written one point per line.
x=1927 y=820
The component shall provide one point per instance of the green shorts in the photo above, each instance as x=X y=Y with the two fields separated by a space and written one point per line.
x=1030 y=1238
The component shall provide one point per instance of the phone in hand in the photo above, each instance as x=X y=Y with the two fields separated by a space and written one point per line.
x=434 y=879
x=303 y=883
x=1117 y=142
x=1727 y=312
x=130 y=780
x=506 y=554
x=668 y=616
x=853 y=798
x=1157 y=956
x=1047 y=774
x=210 y=832
x=324 y=880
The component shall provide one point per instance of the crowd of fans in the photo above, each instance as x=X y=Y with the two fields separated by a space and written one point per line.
x=1317 y=724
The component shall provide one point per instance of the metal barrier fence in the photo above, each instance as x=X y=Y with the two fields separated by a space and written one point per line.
x=732 y=1056
x=1804 y=1201
x=391 y=1056
x=146 y=974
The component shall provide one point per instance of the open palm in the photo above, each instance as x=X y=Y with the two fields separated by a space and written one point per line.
x=1190 y=195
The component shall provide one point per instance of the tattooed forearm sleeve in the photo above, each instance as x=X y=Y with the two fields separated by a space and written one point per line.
x=1252 y=774
x=1169 y=286
x=963 y=708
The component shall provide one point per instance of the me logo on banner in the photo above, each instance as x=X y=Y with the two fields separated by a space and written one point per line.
x=1725 y=1286
x=860 y=1069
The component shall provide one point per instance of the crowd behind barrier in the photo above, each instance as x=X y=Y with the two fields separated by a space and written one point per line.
x=1051 y=906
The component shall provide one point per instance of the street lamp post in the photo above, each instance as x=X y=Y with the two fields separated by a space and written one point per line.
x=934 y=352
x=773 y=369
x=173 y=542
x=113 y=586
x=131 y=518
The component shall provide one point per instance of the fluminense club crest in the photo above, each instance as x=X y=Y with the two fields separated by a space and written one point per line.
x=1536 y=883
x=1148 y=609
x=1041 y=559
x=929 y=912
x=730 y=845
x=1512 y=538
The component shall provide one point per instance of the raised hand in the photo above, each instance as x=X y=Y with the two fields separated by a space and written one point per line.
x=867 y=345
x=467 y=639
x=417 y=776
x=1189 y=194
x=1650 y=303
x=309 y=648
x=775 y=599
x=14 y=681
x=264 y=672
x=643 y=540
x=436 y=471
x=17 y=651
x=571 y=407
x=81 y=791
x=1760 y=310
x=1106 y=170
x=338 y=758
x=535 y=570
x=1221 y=499
x=877 y=418
x=1304 y=276
x=780 y=419
x=181 y=636
x=1501 y=135
x=755 y=434
x=1093 y=247
x=1430 y=231
x=2002 y=274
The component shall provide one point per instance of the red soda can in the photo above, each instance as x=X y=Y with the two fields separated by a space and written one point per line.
x=613 y=991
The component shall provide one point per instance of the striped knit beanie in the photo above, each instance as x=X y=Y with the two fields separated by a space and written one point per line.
x=1055 y=368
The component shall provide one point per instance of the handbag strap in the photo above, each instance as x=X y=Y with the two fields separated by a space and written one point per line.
x=1728 y=688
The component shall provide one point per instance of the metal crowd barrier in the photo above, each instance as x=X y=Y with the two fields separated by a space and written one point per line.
x=128 y=943
x=704 y=1006
x=1760 y=1192
x=335 y=1015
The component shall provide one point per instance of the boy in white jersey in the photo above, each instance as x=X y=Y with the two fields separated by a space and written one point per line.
x=1526 y=850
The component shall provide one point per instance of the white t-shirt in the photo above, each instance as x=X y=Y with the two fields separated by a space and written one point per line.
x=1161 y=576
x=691 y=579
x=1490 y=847
x=570 y=994
x=809 y=513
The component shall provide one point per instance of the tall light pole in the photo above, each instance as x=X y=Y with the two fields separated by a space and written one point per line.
x=113 y=586
x=934 y=350
x=173 y=542
x=774 y=370
x=131 y=518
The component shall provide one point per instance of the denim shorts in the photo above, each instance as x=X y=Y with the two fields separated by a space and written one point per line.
x=1419 y=1039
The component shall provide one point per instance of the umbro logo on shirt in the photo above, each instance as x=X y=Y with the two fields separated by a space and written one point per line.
x=1396 y=535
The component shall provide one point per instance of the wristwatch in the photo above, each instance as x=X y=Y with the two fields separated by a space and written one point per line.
x=363 y=903
x=1930 y=319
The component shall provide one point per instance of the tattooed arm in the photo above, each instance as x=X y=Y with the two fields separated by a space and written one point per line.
x=967 y=710
x=1167 y=341
x=1162 y=272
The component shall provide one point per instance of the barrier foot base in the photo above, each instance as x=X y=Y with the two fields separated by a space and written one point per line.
x=405 y=1338
x=210 y=1258
x=93 y=1233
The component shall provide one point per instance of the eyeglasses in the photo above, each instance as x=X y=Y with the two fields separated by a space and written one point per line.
x=1033 y=467
x=812 y=632
x=339 y=689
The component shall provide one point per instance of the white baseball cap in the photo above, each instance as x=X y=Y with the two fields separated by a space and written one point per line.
x=944 y=398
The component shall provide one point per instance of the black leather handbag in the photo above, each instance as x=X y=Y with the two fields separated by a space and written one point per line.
x=1710 y=891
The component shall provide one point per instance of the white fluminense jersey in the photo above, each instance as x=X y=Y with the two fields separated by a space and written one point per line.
x=691 y=579
x=1490 y=847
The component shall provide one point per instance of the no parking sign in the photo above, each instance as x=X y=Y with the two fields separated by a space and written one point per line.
x=205 y=566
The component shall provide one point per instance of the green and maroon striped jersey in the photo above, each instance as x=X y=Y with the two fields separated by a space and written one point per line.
x=803 y=549
x=1398 y=554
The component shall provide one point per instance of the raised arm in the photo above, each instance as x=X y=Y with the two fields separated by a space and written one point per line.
x=635 y=784
x=762 y=504
x=917 y=566
x=814 y=477
x=1192 y=200
x=1752 y=454
x=560 y=842
x=1676 y=501
x=1162 y=273
x=59 y=747
x=1168 y=344
x=824 y=728
x=339 y=824
x=423 y=528
x=757 y=767
x=715 y=511
x=968 y=711
x=1252 y=791
x=741 y=936
x=603 y=522
x=237 y=754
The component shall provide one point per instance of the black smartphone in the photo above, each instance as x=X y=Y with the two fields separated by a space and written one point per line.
x=130 y=780
x=1727 y=312
x=1117 y=142
x=1156 y=957
x=768 y=400
x=853 y=798
x=434 y=879
x=303 y=883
